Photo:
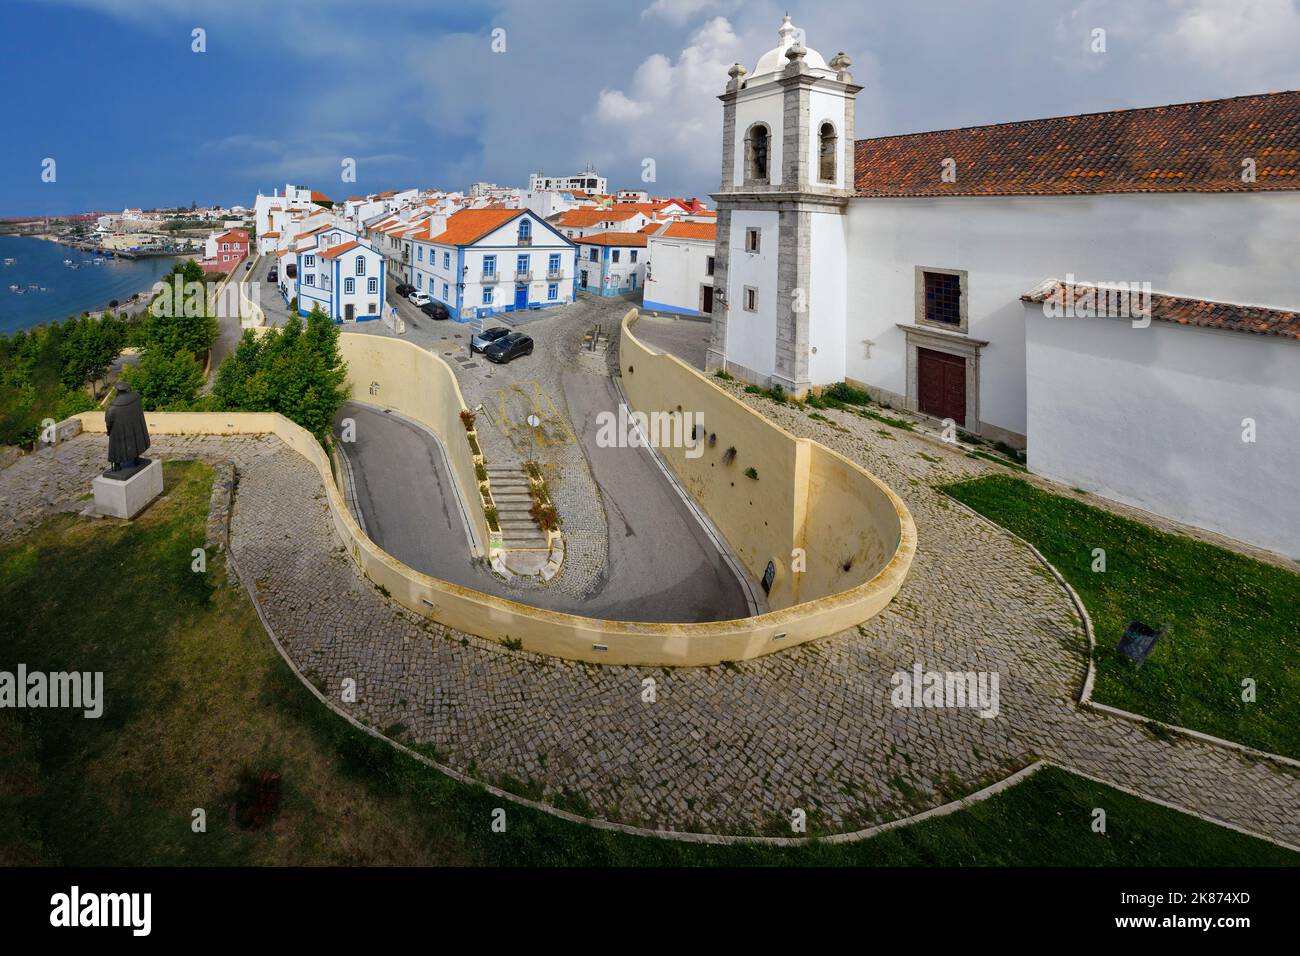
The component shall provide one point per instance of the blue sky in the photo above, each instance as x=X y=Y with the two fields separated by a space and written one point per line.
x=414 y=92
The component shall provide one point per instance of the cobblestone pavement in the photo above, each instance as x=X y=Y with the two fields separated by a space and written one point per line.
x=725 y=749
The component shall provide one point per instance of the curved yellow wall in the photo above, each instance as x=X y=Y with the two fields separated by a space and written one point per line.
x=857 y=507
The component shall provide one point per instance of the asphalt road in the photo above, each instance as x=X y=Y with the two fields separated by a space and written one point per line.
x=406 y=497
x=662 y=566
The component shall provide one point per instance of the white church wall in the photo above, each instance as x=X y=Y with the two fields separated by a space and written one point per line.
x=1136 y=415
x=828 y=298
x=751 y=336
x=1227 y=247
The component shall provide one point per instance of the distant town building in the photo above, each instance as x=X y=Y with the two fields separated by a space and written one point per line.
x=587 y=181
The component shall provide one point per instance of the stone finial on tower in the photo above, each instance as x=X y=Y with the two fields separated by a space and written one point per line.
x=840 y=63
x=737 y=74
x=795 y=55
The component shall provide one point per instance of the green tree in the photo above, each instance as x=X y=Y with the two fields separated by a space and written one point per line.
x=296 y=370
x=89 y=348
x=165 y=382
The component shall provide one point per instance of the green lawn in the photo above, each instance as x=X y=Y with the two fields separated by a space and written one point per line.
x=1229 y=617
x=198 y=703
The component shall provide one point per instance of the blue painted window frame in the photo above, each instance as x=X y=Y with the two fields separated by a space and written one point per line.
x=489 y=265
x=553 y=264
x=552 y=291
x=487 y=296
x=523 y=262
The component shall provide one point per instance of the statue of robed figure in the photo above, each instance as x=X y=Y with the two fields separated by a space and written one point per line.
x=128 y=437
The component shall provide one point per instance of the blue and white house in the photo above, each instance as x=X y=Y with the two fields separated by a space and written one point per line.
x=487 y=261
x=335 y=269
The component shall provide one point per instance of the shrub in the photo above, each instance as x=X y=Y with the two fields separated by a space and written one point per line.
x=467 y=419
x=751 y=472
x=480 y=471
x=843 y=392
x=493 y=519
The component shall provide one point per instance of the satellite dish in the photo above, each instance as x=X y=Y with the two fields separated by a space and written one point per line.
x=534 y=421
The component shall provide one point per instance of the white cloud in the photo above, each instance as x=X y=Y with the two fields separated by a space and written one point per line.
x=679 y=12
x=669 y=111
x=1242 y=39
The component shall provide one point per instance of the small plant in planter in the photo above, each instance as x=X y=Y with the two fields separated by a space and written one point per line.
x=467 y=419
x=534 y=470
x=493 y=519
x=484 y=488
x=480 y=471
x=473 y=446
x=544 y=513
x=751 y=472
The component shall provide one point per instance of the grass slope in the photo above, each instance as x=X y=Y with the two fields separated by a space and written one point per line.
x=1229 y=617
x=198 y=701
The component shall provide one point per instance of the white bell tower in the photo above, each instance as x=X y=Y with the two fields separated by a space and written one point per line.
x=781 y=259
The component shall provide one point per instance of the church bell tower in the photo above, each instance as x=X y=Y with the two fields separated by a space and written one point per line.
x=781 y=260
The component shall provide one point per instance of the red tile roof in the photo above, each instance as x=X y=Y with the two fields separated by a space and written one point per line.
x=471 y=225
x=321 y=197
x=691 y=230
x=1186 y=311
x=581 y=218
x=335 y=251
x=1189 y=147
x=614 y=239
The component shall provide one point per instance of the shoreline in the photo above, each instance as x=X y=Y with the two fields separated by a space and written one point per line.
x=135 y=303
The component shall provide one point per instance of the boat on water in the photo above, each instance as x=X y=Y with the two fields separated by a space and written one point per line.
x=10 y=261
x=13 y=288
x=67 y=262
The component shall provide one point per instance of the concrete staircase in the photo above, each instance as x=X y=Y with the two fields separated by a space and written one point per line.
x=510 y=492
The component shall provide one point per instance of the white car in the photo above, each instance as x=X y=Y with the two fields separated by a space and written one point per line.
x=419 y=298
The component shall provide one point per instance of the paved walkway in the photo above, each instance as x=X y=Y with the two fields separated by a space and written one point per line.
x=726 y=749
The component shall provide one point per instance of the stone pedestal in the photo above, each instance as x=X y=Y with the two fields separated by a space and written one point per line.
x=127 y=497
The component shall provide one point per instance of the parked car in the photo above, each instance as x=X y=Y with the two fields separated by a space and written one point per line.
x=485 y=338
x=435 y=310
x=510 y=347
x=273 y=275
x=404 y=289
x=420 y=298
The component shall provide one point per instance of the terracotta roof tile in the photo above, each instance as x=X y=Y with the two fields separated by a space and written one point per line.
x=614 y=239
x=691 y=230
x=1186 y=311
x=470 y=225
x=335 y=251
x=581 y=218
x=1189 y=147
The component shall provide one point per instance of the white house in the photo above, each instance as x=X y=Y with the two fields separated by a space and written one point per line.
x=611 y=263
x=679 y=273
x=334 y=269
x=577 y=223
x=907 y=255
x=1191 y=411
x=485 y=261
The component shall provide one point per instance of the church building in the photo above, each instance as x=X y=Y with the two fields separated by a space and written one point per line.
x=898 y=263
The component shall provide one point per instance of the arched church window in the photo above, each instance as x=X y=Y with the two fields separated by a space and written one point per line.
x=756 y=153
x=827 y=143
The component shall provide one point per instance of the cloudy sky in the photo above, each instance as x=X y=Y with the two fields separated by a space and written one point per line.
x=434 y=93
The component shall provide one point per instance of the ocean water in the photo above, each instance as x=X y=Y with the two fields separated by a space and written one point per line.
x=68 y=291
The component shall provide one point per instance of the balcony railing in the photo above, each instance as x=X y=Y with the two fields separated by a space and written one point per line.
x=525 y=276
x=553 y=274
x=490 y=277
